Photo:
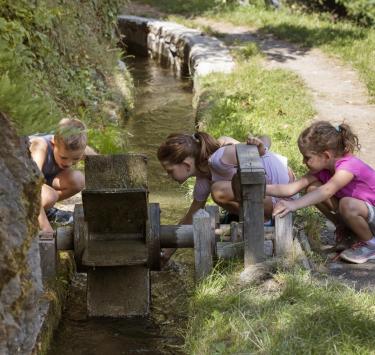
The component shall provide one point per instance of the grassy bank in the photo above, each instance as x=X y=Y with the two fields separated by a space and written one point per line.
x=291 y=313
x=346 y=40
x=59 y=58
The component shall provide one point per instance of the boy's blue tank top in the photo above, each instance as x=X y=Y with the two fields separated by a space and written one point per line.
x=50 y=168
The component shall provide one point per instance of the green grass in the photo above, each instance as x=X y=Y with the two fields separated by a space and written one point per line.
x=260 y=101
x=297 y=315
x=353 y=44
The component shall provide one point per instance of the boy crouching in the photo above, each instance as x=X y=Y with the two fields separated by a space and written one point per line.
x=55 y=156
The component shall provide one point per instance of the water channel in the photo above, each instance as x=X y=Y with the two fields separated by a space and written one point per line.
x=163 y=106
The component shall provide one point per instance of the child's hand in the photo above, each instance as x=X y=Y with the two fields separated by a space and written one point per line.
x=256 y=141
x=283 y=207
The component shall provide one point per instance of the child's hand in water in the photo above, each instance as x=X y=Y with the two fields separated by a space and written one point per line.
x=256 y=141
x=283 y=207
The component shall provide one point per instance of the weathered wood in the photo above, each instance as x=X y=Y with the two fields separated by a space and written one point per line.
x=252 y=180
x=153 y=236
x=213 y=211
x=115 y=210
x=80 y=231
x=64 y=238
x=121 y=171
x=118 y=291
x=236 y=232
x=284 y=235
x=47 y=251
x=229 y=250
x=202 y=244
x=177 y=236
x=115 y=253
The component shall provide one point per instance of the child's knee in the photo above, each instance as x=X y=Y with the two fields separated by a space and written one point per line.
x=219 y=195
x=348 y=207
x=77 y=181
x=49 y=196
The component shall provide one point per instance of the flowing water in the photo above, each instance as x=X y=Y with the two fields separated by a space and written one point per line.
x=163 y=106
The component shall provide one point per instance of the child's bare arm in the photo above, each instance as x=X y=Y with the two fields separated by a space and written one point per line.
x=287 y=190
x=194 y=207
x=38 y=150
x=224 y=140
x=89 y=151
x=340 y=179
x=258 y=143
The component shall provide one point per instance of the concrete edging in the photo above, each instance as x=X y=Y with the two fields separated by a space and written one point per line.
x=188 y=51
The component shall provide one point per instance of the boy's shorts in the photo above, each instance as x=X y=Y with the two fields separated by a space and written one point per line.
x=371 y=217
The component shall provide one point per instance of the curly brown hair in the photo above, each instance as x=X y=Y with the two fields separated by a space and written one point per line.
x=322 y=136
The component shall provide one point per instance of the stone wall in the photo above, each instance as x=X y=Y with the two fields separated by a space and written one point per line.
x=20 y=276
x=188 y=51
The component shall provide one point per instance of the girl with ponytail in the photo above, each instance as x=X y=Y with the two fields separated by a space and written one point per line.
x=338 y=183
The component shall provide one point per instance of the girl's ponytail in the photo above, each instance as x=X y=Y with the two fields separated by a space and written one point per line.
x=349 y=139
x=322 y=136
x=208 y=145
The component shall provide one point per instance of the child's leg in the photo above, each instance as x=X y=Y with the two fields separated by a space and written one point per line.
x=68 y=183
x=355 y=214
x=222 y=194
x=361 y=218
x=49 y=197
x=329 y=207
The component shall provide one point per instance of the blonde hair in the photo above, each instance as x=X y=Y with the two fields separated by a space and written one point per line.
x=72 y=133
x=322 y=136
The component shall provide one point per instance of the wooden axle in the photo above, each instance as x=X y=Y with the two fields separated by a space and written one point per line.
x=171 y=236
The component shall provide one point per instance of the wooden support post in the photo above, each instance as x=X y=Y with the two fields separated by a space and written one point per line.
x=284 y=235
x=47 y=251
x=213 y=211
x=252 y=180
x=202 y=244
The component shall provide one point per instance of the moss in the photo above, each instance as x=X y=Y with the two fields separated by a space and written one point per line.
x=55 y=294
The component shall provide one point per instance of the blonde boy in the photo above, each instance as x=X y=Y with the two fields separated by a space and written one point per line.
x=55 y=156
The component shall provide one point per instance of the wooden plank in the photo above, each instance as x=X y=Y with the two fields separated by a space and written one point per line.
x=115 y=253
x=229 y=250
x=213 y=211
x=248 y=158
x=202 y=244
x=115 y=210
x=120 y=171
x=118 y=291
x=252 y=180
x=284 y=235
x=153 y=236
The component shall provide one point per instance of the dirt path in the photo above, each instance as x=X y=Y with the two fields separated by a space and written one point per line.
x=337 y=92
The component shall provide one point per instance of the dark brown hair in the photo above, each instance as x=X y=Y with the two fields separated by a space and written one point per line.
x=322 y=136
x=72 y=133
x=179 y=146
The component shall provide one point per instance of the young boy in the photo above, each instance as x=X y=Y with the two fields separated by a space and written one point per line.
x=55 y=155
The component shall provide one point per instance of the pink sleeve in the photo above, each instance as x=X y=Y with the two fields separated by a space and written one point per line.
x=349 y=165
